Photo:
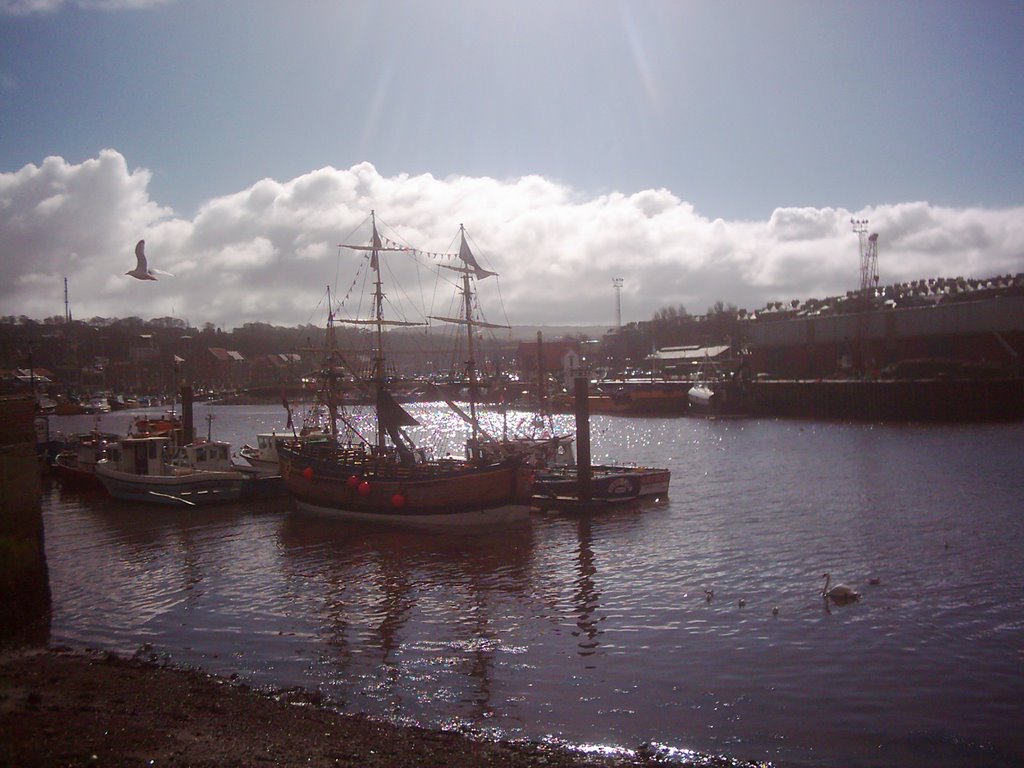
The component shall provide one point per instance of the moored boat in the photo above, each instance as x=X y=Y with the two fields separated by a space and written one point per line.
x=97 y=404
x=557 y=475
x=167 y=425
x=702 y=397
x=360 y=484
x=67 y=407
x=143 y=469
x=265 y=455
x=607 y=482
x=718 y=398
x=389 y=479
x=634 y=397
x=720 y=391
x=76 y=462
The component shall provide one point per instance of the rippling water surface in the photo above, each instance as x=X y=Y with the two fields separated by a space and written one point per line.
x=596 y=630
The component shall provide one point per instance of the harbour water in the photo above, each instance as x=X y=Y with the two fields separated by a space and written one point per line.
x=596 y=631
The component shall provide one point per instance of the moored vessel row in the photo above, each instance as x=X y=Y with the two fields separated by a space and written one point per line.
x=335 y=466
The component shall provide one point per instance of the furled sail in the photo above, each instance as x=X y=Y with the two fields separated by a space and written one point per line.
x=470 y=260
x=391 y=417
x=464 y=321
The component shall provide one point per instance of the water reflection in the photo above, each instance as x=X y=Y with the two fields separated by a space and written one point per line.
x=416 y=616
x=587 y=596
x=128 y=571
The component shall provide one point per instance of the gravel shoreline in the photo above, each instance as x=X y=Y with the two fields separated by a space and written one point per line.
x=66 y=707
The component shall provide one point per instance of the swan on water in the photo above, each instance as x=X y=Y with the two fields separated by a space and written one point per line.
x=840 y=593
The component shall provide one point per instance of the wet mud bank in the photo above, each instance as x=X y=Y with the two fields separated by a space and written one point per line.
x=76 y=708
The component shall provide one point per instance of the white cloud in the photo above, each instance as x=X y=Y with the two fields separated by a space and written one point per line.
x=30 y=7
x=266 y=253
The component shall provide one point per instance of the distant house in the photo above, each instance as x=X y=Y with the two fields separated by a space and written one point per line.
x=143 y=370
x=275 y=369
x=21 y=380
x=219 y=368
x=560 y=358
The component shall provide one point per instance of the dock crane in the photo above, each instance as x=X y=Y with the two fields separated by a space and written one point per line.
x=868 y=257
x=868 y=286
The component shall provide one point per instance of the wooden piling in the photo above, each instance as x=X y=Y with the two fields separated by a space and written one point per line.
x=583 y=464
x=187 y=423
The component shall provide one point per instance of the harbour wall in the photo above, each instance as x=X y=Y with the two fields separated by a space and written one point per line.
x=24 y=579
x=989 y=331
x=926 y=400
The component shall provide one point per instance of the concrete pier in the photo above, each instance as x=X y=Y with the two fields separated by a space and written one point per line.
x=24 y=580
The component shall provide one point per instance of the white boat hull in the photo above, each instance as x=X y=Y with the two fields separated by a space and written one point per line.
x=194 y=489
x=701 y=397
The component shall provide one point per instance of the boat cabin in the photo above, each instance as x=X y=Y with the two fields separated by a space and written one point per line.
x=152 y=456
x=212 y=454
x=140 y=455
x=269 y=442
x=554 y=451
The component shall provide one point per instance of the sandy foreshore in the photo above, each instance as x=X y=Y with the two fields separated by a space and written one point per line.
x=62 y=707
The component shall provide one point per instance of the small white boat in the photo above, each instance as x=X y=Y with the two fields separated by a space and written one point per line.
x=143 y=469
x=702 y=397
x=719 y=391
x=264 y=455
x=97 y=404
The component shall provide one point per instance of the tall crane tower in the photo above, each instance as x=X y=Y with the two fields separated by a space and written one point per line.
x=868 y=257
x=864 y=359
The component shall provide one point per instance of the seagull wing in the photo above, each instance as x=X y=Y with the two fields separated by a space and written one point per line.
x=140 y=256
x=160 y=272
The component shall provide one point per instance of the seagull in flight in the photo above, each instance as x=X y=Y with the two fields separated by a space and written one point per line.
x=141 y=271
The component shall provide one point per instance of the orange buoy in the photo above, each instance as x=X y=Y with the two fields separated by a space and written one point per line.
x=364 y=488
x=352 y=481
x=308 y=473
x=398 y=500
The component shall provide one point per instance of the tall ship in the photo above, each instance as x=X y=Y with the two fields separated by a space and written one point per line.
x=385 y=476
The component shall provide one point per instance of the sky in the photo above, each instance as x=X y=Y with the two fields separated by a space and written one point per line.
x=701 y=150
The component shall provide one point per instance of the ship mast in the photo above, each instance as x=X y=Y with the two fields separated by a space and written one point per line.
x=390 y=416
x=330 y=373
x=469 y=268
x=378 y=317
x=471 y=361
